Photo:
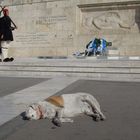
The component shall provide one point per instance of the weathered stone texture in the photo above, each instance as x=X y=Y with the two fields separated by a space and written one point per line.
x=61 y=27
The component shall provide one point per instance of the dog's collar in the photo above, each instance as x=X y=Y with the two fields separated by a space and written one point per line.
x=40 y=112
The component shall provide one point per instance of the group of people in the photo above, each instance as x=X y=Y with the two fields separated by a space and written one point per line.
x=97 y=46
x=6 y=35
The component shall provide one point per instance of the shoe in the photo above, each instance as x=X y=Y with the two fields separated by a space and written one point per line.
x=11 y=59
x=6 y=60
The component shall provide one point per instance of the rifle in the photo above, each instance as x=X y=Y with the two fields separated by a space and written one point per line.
x=2 y=8
x=15 y=27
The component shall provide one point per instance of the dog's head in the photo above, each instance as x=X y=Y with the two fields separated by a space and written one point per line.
x=34 y=112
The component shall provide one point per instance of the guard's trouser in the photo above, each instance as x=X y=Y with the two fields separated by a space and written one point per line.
x=5 y=46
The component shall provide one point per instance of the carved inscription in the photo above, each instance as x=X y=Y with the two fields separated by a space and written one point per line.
x=32 y=39
x=41 y=38
x=51 y=20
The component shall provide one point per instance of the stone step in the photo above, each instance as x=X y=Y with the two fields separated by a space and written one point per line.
x=125 y=70
x=90 y=62
x=73 y=69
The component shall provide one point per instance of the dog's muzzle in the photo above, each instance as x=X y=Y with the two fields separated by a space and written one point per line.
x=24 y=116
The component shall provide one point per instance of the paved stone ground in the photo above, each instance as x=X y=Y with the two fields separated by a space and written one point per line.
x=119 y=102
x=11 y=85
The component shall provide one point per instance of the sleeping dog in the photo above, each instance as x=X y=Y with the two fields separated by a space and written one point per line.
x=62 y=108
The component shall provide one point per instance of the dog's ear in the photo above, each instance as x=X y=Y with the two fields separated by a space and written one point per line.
x=33 y=106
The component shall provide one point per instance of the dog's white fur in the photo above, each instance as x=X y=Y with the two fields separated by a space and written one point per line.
x=74 y=105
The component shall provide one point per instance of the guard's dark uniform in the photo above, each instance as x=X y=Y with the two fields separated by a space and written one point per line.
x=6 y=29
x=6 y=35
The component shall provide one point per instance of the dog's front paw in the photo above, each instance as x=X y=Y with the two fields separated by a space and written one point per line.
x=96 y=117
x=57 y=122
x=103 y=118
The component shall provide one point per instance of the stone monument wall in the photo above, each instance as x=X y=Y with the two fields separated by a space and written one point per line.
x=62 y=27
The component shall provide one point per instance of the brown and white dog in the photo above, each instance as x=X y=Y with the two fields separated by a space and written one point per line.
x=63 y=108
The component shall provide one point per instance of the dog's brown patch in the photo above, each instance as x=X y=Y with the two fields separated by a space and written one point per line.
x=56 y=100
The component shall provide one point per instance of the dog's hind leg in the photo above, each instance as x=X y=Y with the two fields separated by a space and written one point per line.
x=95 y=106
x=88 y=110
